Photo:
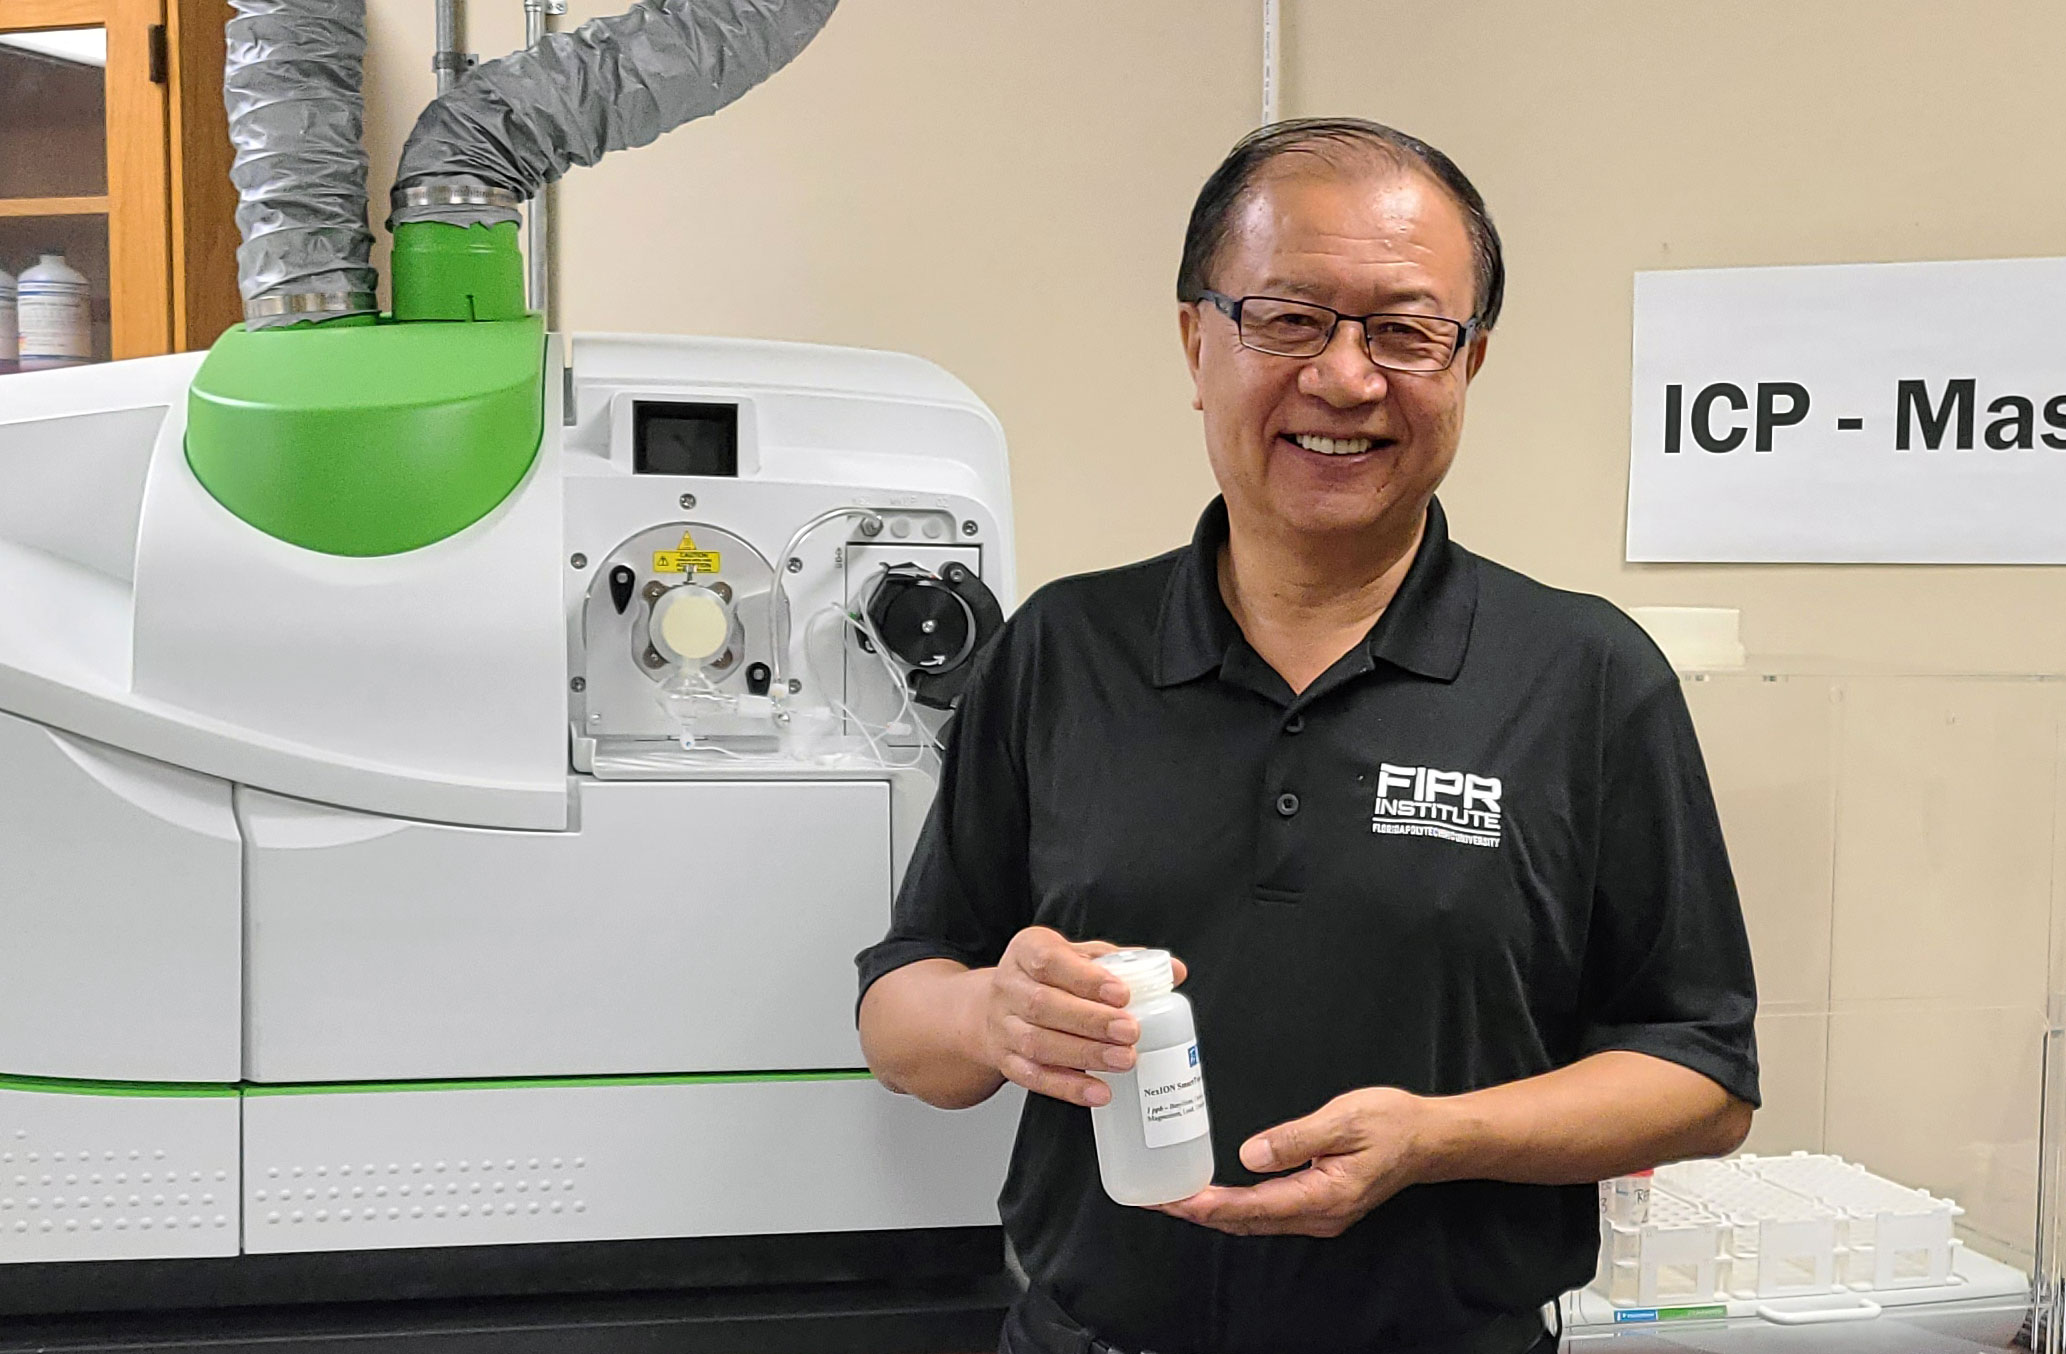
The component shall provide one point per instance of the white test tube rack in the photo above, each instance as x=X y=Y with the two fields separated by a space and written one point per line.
x=1893 y=1237
x=1780 y=1244
x=1773 y=1227
x=1674 y=1257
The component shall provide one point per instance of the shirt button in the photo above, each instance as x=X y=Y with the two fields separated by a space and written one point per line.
x=1296 y=724
x=1287 y=804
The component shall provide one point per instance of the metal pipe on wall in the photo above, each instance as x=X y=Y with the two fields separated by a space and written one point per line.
x=451 y=60
x=538 y=225
x=1273 y=22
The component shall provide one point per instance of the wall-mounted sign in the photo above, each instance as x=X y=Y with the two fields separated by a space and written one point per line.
x=1859 y=413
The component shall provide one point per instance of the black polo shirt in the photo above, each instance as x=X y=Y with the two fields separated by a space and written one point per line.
x=1480 y=847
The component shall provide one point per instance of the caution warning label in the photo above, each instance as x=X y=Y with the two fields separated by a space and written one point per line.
x=687 y=559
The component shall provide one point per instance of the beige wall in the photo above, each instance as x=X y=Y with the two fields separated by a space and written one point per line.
x=1616 y=135
x=939 y=176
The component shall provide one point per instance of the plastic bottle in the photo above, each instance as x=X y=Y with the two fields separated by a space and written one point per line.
x=10 y=336
x=1154 y=1137
x=1626 y=1199
x=55 y=317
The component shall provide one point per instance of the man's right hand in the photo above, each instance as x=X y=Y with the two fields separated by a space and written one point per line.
x=1049 y=1016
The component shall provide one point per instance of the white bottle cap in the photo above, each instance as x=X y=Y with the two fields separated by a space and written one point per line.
x=1148 y=974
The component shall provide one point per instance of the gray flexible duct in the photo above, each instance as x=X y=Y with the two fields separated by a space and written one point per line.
x=516 y=124
x=291 y=84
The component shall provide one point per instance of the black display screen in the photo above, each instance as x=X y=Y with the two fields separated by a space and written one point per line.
x=684 y=439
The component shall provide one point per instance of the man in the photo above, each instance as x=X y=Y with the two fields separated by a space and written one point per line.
x=1435 y=841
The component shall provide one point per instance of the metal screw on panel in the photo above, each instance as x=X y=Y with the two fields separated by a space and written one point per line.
x=928 y=626
x=688 y=500
x=795 y=565
x=956 y=574
x=722 y=589
x=968 y=528
x=871 y=526
x=654 y=589
x=579 y=684
x=579 y=561
x=795 y=685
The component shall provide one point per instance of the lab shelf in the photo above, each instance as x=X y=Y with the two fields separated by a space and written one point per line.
x=1982 y=1305
x=54 y=206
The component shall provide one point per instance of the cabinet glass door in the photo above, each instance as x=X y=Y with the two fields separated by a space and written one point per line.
x=54 y=201
x=85 y=167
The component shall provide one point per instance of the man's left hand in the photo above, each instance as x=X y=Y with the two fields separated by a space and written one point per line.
x=1356 y=1151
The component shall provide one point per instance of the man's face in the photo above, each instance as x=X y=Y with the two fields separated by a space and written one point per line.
x=1361 y=240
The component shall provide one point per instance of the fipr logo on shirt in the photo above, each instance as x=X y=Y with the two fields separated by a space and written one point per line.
x=1420 y=801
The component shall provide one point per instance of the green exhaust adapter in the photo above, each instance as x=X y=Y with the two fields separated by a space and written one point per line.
x=446 y=272
x=376 y=439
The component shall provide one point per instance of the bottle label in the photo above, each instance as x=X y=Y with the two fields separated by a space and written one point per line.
x=54 y=321
x=1172 y=1095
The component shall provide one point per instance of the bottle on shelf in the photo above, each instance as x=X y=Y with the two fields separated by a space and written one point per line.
x=53 y=302
x=10 y=336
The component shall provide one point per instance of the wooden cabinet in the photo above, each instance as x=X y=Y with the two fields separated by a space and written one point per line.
x=114 y=151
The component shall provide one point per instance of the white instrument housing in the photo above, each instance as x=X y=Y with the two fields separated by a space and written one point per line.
x=374 y=903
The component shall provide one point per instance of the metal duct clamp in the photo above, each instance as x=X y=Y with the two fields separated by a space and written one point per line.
x=459 y=195
x=449 y=66
x=310 y=304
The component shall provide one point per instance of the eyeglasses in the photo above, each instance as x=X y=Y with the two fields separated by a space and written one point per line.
x=1411 y=343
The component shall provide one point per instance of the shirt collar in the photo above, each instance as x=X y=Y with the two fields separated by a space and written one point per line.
x=1424 y=631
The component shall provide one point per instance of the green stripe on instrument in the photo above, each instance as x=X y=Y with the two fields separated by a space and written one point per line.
x=540 y=1083
x=167 y=1090
x=206 y=1089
